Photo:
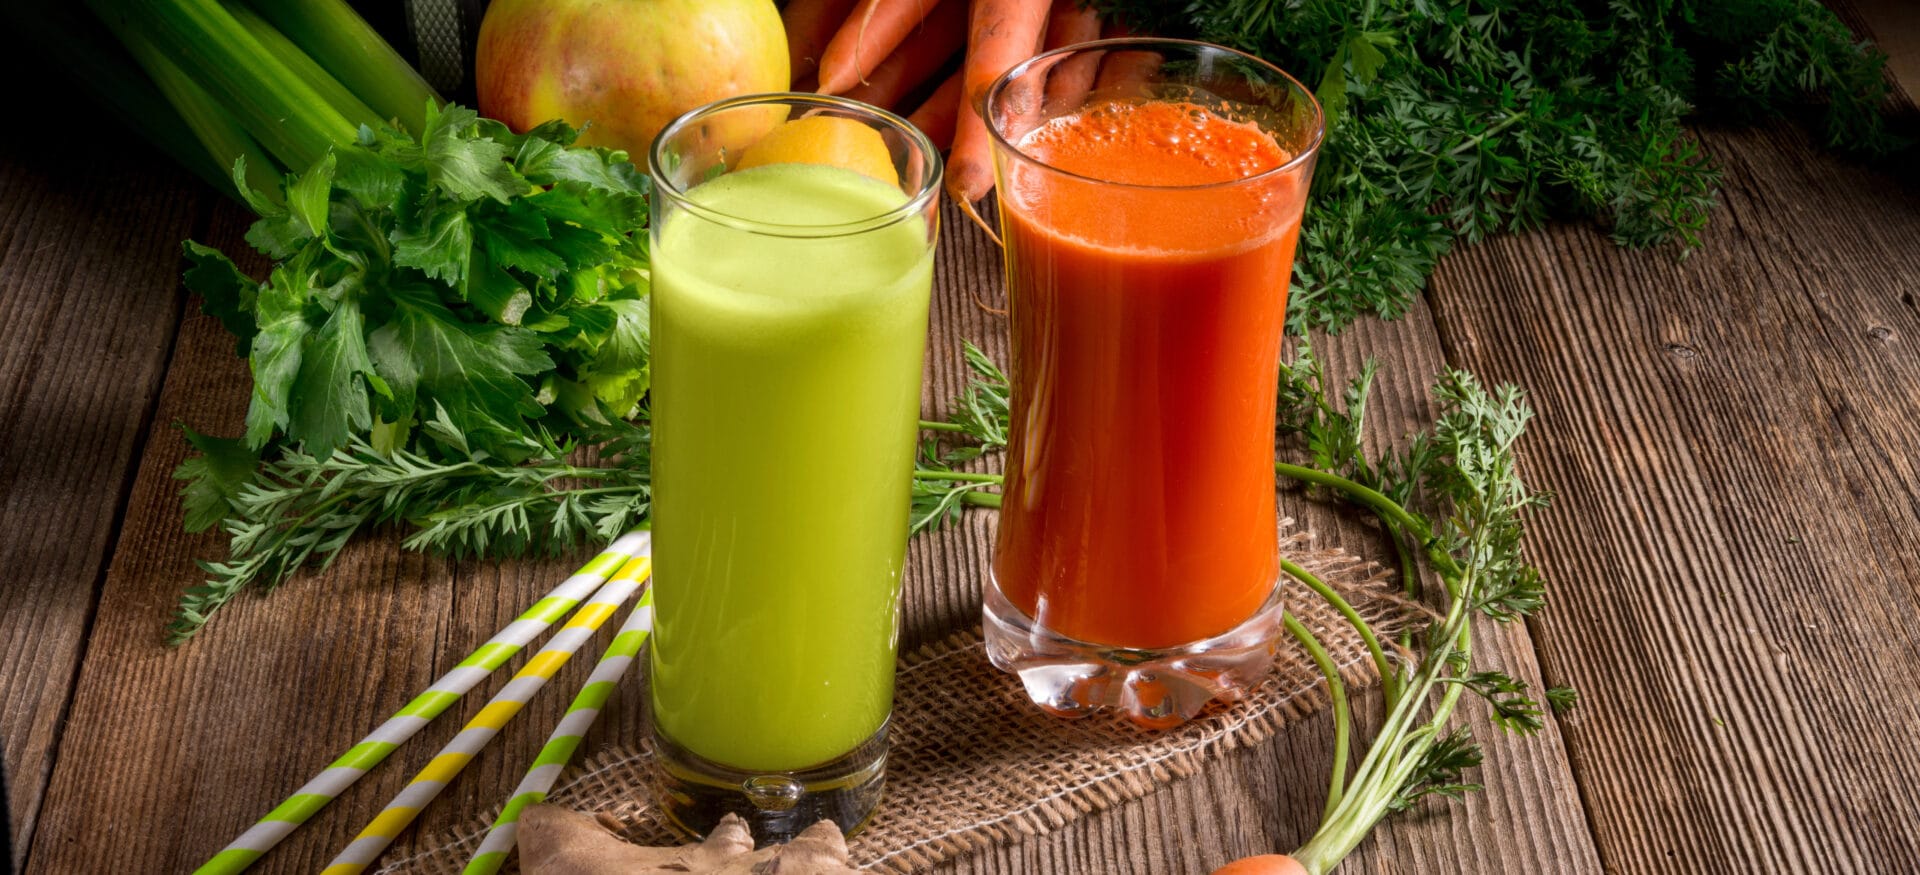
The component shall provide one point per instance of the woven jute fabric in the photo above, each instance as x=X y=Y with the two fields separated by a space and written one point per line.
x=974 y=763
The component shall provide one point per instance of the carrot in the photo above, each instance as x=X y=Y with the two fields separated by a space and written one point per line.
x=937 y=116
x=1071 y=23
x=871 y=33
x=919 y=56
x=1003 y=33
x=810 y=23
x=1265 y=864
x=1070 y=80
x=1126 y=72
x=970 y=164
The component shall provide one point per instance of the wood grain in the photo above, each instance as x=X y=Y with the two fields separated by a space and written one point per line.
x=1732 y=440
x=185 y=747
x=88 y=308
x=1894 y=26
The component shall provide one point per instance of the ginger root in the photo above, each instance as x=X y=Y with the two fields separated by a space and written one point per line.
x=559 y=841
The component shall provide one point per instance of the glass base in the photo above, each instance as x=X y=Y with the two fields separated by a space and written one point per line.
x=696 y=792
x=1157 y=689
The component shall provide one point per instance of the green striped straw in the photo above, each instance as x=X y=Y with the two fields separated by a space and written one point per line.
x=566 y=737
x=362 y=757
x=484 y=726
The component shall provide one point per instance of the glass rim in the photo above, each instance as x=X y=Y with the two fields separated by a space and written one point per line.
x=916 y=202
x=1005 y=80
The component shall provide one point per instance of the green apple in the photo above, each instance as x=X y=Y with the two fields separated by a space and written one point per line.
x=624 y=68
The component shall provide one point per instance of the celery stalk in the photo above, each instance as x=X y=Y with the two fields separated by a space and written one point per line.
x=337 y=95
x=70 y=40
x=216 y=129
x=284 y=112
x=342 y=42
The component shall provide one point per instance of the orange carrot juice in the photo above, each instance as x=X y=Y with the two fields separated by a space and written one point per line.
x=1148 y=250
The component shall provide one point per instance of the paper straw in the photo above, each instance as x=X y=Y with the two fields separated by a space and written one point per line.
x=447 y=764
x=566 y=737
x=372 y=750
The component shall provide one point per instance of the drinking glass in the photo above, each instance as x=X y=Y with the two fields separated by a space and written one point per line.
x=789 y=317
x=1150 y=198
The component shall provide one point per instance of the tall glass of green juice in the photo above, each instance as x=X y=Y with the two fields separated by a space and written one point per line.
x=793 y=242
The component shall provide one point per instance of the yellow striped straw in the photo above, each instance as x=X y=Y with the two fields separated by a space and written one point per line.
x=372 y=750
x=446 y=765
x=565 y=739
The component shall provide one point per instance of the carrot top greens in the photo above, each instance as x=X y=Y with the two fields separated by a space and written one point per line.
x=1453 y=502
x=1456 y=119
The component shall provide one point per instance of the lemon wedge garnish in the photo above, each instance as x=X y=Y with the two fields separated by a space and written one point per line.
x=824 y=139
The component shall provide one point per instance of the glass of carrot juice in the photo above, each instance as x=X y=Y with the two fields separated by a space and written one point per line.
x=789 y=317
x=1150 y=197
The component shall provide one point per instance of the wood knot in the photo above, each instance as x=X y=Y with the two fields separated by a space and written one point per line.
x=1881 y=333
x=1681 y=350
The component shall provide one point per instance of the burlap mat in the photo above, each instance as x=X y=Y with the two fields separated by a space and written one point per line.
x=974 y=763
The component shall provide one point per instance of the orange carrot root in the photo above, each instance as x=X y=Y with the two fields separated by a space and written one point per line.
x=1070 y=23
x=938 y=115
x=1002 y=33
x=919 y=56
x=810 y=24
x=1125 y=73
x=1264 y=864
x=871 y=33
x=1070 y=80
x=970 y=165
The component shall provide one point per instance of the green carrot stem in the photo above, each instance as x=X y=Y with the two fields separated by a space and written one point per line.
x=1481 y=137
x=1395 y=752
x=981 y=499
x=1409 y=574
x=1342 y=719
x=931 y=425
x=1403 y=739
x=1389 y=676
x=1389 y=511
x=956 y=476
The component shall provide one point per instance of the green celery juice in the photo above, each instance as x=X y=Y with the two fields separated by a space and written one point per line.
x=786 y=391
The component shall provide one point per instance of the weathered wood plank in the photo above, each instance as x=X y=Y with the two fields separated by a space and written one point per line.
x=184 y=747
x=88 y=309
x=1734 y=547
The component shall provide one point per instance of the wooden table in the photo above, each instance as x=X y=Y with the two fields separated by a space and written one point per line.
x=1734 y=554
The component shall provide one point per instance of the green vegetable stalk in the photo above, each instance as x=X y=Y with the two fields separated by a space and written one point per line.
x=284 y=51
x=342 y=42
x=277 y=83
x=217 y=131
x=283 y=111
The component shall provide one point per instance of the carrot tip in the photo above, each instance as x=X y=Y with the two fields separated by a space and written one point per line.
x=966 y=206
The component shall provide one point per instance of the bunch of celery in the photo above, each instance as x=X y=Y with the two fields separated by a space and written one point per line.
x=275 y=82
